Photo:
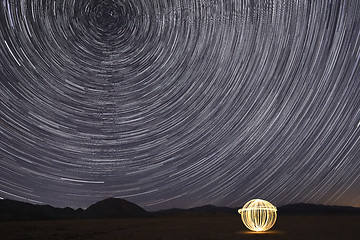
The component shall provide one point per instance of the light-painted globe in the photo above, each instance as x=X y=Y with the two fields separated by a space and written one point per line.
x=258 y=215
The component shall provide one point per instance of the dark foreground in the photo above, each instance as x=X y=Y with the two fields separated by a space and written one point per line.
x=176 y=228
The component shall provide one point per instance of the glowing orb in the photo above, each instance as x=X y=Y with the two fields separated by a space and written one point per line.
x=258 y=215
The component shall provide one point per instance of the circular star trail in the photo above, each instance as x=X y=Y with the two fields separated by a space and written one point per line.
x=180 y=103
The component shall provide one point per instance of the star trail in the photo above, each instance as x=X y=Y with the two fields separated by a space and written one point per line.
x=180 y=103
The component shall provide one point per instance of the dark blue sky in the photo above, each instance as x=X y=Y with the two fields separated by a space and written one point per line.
x=180 y=103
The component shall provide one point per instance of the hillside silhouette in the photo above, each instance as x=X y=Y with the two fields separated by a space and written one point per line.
x=11 y=210
x=114 y=208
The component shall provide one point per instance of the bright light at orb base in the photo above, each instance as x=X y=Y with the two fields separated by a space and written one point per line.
x=258 y=215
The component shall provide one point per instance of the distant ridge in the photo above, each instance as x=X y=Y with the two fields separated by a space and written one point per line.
x=308 y=209
x=198 y=211
x=11 y=210
x=290 y=209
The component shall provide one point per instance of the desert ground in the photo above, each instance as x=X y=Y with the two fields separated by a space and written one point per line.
x=176 y=228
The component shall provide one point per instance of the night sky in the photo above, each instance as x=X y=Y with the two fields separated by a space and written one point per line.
x=180 y=103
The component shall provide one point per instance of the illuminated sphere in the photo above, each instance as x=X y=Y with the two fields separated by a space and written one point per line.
x=258 y=215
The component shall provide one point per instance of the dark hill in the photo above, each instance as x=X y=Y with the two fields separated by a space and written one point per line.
x=114 y=208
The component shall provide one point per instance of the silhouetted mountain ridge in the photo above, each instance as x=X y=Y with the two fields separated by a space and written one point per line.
x=15 y=210
x=120 y=208
x=108 y=208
